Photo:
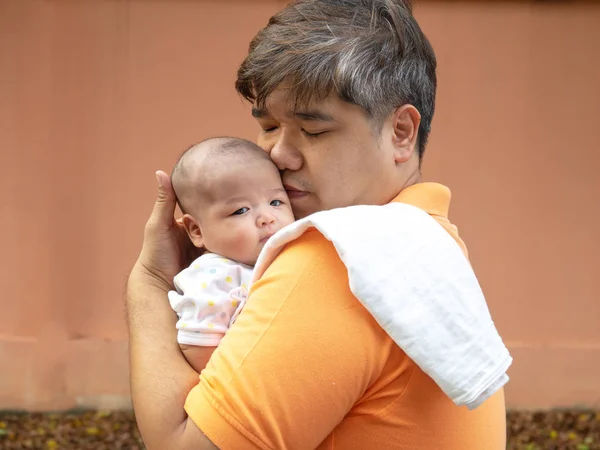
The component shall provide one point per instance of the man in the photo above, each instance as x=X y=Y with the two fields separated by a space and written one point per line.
x=344 y=91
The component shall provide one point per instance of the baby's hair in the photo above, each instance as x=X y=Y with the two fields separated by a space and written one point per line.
x=223 y=146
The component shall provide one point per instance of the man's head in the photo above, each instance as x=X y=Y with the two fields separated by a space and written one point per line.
x=231 y=195
x=361 y=72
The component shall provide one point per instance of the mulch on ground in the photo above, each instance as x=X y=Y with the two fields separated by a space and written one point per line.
x=568 y=430
x=78 y=431
x=556 y=430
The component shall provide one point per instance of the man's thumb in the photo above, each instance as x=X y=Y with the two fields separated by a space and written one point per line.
x=164 y=208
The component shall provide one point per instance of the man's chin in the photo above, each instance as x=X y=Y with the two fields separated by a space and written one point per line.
x=301 y=213
x=305 y=206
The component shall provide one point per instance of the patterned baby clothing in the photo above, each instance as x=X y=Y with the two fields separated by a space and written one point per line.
x=208 y=296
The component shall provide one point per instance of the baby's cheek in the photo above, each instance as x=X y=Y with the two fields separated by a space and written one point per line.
x=243 y=240
x=240 y=235
x=286 y=216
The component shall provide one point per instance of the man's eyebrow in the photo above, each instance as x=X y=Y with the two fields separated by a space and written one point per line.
x=258 y=113
x=308 y=115
x=314 y=115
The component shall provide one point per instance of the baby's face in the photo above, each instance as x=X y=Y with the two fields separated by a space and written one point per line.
x=248 y=205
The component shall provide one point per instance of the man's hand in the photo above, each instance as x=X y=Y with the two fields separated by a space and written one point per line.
x=161 y=378
x=166 y=249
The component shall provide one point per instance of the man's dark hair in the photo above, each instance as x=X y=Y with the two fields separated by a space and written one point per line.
x=371 y=53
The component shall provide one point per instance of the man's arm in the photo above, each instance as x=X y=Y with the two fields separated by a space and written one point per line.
x=160 y=376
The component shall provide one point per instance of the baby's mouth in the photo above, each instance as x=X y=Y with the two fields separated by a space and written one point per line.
x=266 y=238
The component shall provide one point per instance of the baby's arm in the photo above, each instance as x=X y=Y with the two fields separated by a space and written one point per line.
x=196 y=356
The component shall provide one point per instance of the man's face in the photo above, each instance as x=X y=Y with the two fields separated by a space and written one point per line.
x=328 y=153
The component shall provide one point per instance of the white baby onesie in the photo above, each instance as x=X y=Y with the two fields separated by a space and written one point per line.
x=208 y=294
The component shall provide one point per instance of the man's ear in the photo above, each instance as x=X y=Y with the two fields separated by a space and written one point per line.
x=405 y=132
x=192 y=226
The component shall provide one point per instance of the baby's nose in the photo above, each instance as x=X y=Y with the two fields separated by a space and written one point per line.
x=266 y=219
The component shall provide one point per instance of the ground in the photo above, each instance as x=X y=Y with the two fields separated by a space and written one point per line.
x=557 y=430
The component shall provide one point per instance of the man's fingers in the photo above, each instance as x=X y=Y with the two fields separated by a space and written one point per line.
x=164 y=208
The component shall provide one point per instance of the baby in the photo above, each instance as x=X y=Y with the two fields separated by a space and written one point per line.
x=233 y=201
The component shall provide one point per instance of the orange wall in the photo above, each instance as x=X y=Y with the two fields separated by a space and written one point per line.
x=96 y=95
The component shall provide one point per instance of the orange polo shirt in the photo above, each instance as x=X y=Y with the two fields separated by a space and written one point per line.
x=307 y=367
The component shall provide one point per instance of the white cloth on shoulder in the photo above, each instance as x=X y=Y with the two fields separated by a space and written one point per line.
x=412 y=276
x=209 y=294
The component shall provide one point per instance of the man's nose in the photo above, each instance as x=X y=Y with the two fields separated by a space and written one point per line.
x=285 y=154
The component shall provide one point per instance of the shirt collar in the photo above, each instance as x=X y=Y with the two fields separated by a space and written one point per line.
x=433 y=198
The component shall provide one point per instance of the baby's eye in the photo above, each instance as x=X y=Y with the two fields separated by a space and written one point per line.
x=276 y=203
x=241 y=211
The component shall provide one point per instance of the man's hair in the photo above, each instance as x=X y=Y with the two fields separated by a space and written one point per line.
x=371 y=53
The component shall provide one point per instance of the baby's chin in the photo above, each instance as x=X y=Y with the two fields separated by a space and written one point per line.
x=255 y=258
x=248 y=259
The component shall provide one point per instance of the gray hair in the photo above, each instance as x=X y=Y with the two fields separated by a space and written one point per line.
x=371 y=53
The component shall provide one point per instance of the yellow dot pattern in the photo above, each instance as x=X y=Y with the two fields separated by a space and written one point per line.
x=211 y=303
x=234 y=303
x=229 y=279
x=203 y=285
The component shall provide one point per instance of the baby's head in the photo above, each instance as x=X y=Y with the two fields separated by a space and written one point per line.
x=232 y=198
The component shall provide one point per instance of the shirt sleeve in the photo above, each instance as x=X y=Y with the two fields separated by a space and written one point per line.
x=202 y=299
x=299 y=357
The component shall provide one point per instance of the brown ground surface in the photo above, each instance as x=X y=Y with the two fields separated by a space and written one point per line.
x=575 y=430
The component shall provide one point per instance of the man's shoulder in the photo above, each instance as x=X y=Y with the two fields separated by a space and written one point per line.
x=309 y=268
x=310 y=247
x=310 y=257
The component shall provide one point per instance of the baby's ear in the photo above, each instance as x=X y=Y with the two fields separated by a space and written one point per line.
x=192 y=226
